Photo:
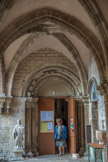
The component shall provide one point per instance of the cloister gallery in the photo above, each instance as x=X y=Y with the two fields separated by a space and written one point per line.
x=53 y=57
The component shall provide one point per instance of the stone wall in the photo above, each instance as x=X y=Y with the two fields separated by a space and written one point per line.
x=7 y=123
x=94 y=73
x=33 y=62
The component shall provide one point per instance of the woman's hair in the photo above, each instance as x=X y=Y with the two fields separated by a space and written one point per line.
x=59 y=120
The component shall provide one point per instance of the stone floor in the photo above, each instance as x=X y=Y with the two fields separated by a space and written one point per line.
x=54 y=158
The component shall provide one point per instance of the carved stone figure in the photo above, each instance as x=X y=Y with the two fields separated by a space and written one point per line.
x=18 y=133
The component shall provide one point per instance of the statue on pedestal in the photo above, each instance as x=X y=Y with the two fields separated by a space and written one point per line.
x=18 y=133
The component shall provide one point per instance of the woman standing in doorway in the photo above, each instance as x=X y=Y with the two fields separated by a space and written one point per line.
x=60 y=136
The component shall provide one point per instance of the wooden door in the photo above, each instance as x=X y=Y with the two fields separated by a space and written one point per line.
x=46 y=141
x=71 y=126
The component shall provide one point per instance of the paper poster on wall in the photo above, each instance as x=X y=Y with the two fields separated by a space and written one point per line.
x=47 y=116
x=43 y=127
x=50 y=125
x=46 y=127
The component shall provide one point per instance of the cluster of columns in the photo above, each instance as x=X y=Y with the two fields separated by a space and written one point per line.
x=31 y=126
x=81 y=126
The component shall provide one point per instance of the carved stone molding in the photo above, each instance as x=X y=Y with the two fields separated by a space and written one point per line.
x=85 y=99
x=5 y=104
x=2 y=102
x=103 y=90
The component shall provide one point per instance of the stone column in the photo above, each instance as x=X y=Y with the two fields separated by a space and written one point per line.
x=94 y=121
x=106 y=113
x=36 y=124
x=103 y=90
x=28 y=125
x=81 y=106
x=34 y=128
x=86 y=102
x=105 y=151
x=2 y=76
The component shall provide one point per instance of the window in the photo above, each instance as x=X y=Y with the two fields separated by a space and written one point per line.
x=94 y=96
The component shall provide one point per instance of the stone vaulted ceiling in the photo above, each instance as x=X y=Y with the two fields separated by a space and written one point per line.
x=75 y=28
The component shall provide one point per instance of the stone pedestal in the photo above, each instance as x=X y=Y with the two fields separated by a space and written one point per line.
x=18 y=154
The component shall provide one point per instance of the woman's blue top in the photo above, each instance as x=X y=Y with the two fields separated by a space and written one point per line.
x=64 y=132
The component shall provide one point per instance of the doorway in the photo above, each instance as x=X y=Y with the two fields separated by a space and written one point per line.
x=59 y=108
x=61 y=111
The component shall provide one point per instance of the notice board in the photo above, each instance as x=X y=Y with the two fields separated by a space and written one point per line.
x=47 y=121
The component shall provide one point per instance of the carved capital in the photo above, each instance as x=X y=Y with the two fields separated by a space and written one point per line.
x=35 y=100
x=28 y=102
x=8 y=103
x=2 y=103
x=85 y=99
x=5 y=103
x=103 y=88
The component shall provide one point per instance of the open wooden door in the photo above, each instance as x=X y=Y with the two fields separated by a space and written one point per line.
x=46 y=125
x=71 y=126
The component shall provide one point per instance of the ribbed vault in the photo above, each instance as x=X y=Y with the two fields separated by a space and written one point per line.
x=31 y=22
x=74 y=55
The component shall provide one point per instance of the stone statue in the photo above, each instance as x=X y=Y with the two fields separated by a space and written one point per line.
x=18 y=133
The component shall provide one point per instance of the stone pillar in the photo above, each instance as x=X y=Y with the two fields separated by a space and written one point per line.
x=81 y=106
x=34 y=122
x=28 y=125
x=103 y=90
x=36 y=125
x=106 y=113
x=86 y=102
x=94 y=121
x=2 y=76
x=31 y=126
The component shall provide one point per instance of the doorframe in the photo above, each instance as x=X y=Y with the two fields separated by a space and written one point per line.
x=31 y=144
x=63 y=97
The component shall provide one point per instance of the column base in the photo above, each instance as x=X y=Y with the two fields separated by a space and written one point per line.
x=35 y=152
x=82 y=151
x=29 y=154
